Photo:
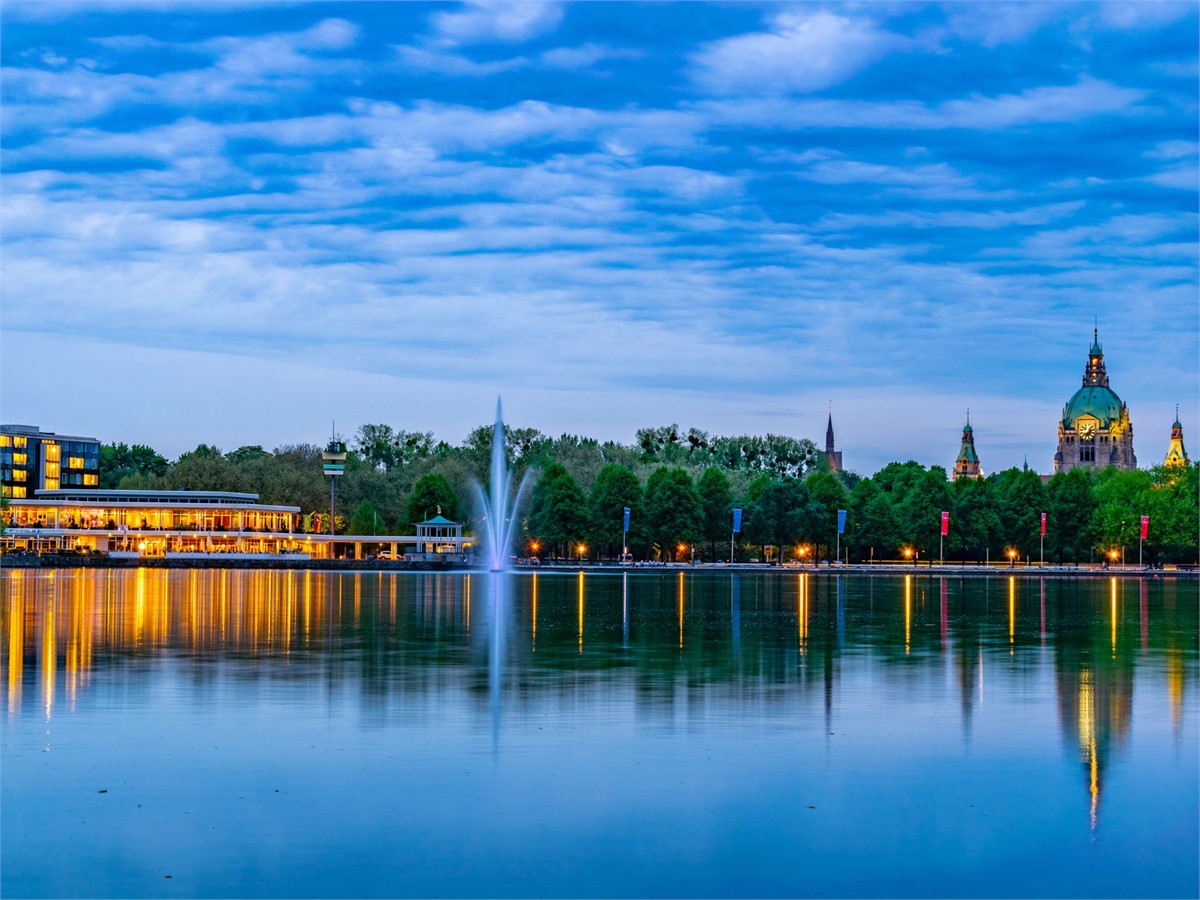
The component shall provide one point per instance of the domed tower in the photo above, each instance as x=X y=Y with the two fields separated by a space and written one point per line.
x=1095 y=431
x=967 y=464
x=1176 y=453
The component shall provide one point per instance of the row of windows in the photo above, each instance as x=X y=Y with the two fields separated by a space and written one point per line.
x=9 y=440
x=17 y=492
x=13 y=458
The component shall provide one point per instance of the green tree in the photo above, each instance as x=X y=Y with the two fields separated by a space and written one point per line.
x=830 y=494
x=1119 y=501
x=558 y=511
x=673 y=514
x=365 y=519
x=1021 y=497
x=615 y=488
x=716 y=505
x=431 y=496
x=205 y=469
x=120 y=461
x=975 y=529
x=919 y=513
x=783 y=514
x=1070 y=508
x=1172 y=505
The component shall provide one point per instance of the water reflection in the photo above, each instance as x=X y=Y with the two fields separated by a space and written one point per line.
x=704 y=645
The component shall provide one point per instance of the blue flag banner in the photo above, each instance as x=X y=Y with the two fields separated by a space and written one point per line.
x=737 y=521
x=841 y=521
x=627 y=518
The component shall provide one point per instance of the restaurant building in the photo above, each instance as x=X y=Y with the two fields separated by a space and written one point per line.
x=183 y=524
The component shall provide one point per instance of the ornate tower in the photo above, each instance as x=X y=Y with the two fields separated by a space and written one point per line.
x=967 y=464
x=834 y=456
x=1176 y=453
x=1095 y=430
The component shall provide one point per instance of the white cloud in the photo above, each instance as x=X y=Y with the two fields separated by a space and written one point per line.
x=803 y=52
x=501 y=21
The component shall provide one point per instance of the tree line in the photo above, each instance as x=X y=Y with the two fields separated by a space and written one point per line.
x=681 y=488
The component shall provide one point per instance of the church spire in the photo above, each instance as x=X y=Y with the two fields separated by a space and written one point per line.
x=829 y=430
x=1177 y=454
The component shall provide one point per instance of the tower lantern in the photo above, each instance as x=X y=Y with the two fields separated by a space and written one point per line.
x=333 y=462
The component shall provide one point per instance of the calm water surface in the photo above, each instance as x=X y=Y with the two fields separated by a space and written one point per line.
x=262 y=734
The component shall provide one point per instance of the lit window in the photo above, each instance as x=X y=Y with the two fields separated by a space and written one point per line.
x=20 y=459
x=75 y=462
x=19 y=475
x=92 y=480
x=52 y=484
x=52 y=470
x=20 y=442
x=53 y=452
x=18 y=491
x=5 y=440
x=5 y=491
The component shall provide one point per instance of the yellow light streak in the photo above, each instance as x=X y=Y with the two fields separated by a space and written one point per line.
x=535 y=589
x=907 y=612
x=1012 y=611
x=581 y=612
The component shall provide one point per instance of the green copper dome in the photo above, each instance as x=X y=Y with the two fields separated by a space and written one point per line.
x=1095 y=400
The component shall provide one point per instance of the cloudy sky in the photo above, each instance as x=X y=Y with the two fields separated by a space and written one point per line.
x=239 y=222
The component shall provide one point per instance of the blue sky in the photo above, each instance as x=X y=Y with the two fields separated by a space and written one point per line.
x=236 y=222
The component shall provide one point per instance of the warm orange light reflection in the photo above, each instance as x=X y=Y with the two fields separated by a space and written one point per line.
x=680 y=610
x=1012 y=611
x=580 y=612
x=534 y=645
x=907 y=611
x=802 y=612
x=1113 y=614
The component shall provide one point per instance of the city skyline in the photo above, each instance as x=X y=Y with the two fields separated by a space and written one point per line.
x=234 y=223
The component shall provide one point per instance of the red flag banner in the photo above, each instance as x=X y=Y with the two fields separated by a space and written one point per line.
x=945 y=523
x=1043 y=524
x=1145 y=527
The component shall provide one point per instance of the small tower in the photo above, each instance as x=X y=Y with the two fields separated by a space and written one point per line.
x=1176 y=453
x=834 y=456
x=967 y=464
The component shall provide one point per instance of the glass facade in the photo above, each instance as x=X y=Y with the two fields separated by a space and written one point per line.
x=32 y=460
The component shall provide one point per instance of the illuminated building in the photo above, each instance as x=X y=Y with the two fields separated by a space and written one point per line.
x=183 y=524
x=1176 y=453
x=32 y=460
x=967 y=464
x=1095 y=431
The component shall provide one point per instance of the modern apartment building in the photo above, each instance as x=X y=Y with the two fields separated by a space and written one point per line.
x=33 y=460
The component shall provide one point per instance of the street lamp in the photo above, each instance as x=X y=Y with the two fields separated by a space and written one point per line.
x=1112 y=554
x=582 y=550
x=1012 y=557
x=534 y=546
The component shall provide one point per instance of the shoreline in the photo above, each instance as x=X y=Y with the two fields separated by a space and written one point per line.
x=975 y=570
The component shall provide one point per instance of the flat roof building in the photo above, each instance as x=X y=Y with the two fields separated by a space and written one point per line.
x=33 y=460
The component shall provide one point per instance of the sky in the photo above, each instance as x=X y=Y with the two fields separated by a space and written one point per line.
x=250 y=223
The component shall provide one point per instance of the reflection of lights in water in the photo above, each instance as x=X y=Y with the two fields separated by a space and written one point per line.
x=581 y=611
x=1012 y=611
x=1114 y=616
x=1087 y=737
x=907 y=611
x=680 y=610
x=467 y=599
x=802 y=613
x=534 y=645
x=49 y=655
x=16 y=645
x=1175 y=686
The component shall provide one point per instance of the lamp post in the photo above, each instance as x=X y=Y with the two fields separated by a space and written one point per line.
x=582 y=549
x=1012 y=557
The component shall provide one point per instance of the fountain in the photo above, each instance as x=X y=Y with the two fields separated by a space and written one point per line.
x=499 y=519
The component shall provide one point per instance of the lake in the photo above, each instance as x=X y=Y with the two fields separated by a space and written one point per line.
x=657 y=733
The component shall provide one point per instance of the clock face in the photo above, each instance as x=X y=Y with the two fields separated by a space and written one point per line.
x=1087 y=430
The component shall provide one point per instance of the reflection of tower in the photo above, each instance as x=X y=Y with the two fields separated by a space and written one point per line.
x=834 y=456
x=1095 y=705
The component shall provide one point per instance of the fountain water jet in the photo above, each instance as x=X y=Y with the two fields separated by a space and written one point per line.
x=500 y=519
